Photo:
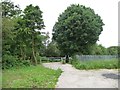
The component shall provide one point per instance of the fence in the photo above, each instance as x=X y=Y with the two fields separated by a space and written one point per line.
x=55 y=59
x=96 y=57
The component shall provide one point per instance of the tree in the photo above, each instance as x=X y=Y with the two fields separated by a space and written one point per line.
x=113 y=50
x=98 y=50
x=45 y=42
x=33 y=23
x=45 y=39
x=7 y=35
x=52 y=50
x=22 y=39
x=77 y=28
x=9 y=9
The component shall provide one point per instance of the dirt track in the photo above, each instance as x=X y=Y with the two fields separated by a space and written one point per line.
x=73 y=78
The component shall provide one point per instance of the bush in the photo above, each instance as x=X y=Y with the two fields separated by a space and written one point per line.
x=9 y=61
x=25 y=62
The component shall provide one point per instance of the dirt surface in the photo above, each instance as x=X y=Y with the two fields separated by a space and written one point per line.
x=73 y=78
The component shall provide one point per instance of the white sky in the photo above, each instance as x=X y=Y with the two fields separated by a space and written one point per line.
x=107 y=9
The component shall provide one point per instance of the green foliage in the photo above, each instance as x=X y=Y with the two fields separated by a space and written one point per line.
x=45 y=42
x=9 y=61
x=96 y=64
x=25 y=62
x=20 y=34
x=30 y=77
x=8 y=35
x=38 y=59
x=33 y=20
x=9 y=9
x=52 y=50
x=10 y=12
x=101 y=50
x=113 y=50
x=97 y=50
x=77 y=28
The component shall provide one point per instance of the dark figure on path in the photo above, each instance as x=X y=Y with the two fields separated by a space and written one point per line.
x=67 y=58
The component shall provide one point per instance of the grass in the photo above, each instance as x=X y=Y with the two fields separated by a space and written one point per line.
x=30 y=77
x=96 y=64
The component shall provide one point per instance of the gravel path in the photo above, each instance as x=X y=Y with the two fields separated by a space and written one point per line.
x=73 y=78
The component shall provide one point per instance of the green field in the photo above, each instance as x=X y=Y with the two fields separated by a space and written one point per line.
x=96 y=64
x=30 y=77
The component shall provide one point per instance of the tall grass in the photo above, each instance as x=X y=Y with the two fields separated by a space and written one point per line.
x=96 y=64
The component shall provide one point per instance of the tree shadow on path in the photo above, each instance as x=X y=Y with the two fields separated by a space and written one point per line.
x=111 y=75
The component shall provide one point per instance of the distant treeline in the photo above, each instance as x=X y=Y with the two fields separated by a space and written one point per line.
x=96 y=49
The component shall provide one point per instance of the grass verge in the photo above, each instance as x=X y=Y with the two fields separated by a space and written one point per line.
x=30 y=77
x=96 y=64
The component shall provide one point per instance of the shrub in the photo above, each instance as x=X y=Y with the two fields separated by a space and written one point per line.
x=9 y=61
x=25 y=62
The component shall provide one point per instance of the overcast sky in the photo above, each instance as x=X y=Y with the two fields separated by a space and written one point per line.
x=107 y=9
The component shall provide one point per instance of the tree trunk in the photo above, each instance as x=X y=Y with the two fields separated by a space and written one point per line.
x=33 y=51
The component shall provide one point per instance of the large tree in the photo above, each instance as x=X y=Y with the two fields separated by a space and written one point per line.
x=77 y=28
x=33 y=23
